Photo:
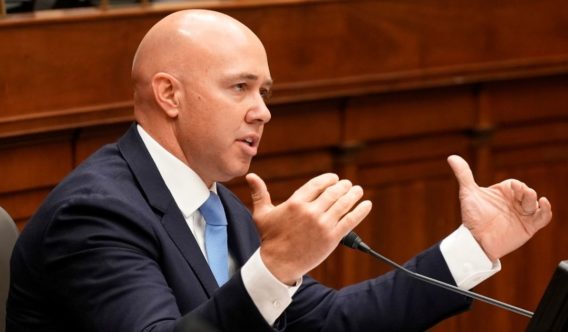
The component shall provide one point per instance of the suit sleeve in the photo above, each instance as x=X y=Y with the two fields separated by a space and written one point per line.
x=392 y=302
x=233 y=310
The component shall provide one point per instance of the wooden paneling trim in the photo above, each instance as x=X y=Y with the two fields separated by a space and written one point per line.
x=153 y=9
x=533 y=133
x=524 y=157
x=409 y=150
x=420 y=79
x=65 y=119
x=288 y=93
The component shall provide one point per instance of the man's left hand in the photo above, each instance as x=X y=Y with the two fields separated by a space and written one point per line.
x=501 y=217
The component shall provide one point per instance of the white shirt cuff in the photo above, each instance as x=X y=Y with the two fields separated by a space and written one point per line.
x=270 y=296
x=466 y=259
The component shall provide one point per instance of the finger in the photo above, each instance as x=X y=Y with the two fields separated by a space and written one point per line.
x=313 y=188
x=516 y=187
x=544 y=214
x=462 y=172
x=526 y=197
x=258 y=192
x=353 y=218
x=344 y=204
x=331 y=194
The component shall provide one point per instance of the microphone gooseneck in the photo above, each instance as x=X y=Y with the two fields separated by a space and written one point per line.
x=352 y=240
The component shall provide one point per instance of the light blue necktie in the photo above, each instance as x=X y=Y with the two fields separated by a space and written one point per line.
x=216 y=237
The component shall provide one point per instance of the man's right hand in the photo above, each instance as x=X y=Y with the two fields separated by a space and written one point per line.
x=298 y=234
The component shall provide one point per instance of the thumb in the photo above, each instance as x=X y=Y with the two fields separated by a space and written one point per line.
x=259 y=193
x=462 y=171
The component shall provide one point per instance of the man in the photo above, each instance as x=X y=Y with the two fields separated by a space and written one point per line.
x=121 y=244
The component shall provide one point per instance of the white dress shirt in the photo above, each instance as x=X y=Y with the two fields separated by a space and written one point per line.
x=467 y=262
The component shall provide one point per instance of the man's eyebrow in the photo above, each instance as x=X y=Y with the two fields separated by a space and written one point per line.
x=251 y=77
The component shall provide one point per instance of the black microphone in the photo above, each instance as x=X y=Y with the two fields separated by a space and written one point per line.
x=352 y=240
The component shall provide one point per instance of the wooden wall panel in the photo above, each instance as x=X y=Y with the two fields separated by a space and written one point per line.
x=377 y=91
x=29 y=168
x=22 y=204
x=88 y=140
x=89 y=66
x=370 y=37
x=304 y=126
x=379 y=117
x=318 y=48
x=280 y=171
x=528 y=99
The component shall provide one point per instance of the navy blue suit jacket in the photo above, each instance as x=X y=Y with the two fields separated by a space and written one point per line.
x=109 y=250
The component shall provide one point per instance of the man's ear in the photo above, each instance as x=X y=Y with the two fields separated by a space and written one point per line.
x=167 y=93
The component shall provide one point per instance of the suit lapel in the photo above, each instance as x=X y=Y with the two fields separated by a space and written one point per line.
x=180 y=234
x=160 y=198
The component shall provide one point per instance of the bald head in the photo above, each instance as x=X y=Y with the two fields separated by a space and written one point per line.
x=183 y=39
x=200 y=78
x=185 y=44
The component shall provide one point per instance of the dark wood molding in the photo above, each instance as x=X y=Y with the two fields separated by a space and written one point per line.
x=73 y=118
x=290 y=93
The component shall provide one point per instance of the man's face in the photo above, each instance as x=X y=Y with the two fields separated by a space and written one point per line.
x=223 y=110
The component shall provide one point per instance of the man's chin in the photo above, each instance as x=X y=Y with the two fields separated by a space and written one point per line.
x=236 y=173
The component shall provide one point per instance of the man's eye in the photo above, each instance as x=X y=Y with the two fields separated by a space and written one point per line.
x=240 y=87
x=265 y=93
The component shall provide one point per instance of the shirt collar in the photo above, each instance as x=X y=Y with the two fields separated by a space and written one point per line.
x=187 y=188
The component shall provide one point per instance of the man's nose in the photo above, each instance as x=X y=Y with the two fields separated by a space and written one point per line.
x=259 y=112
